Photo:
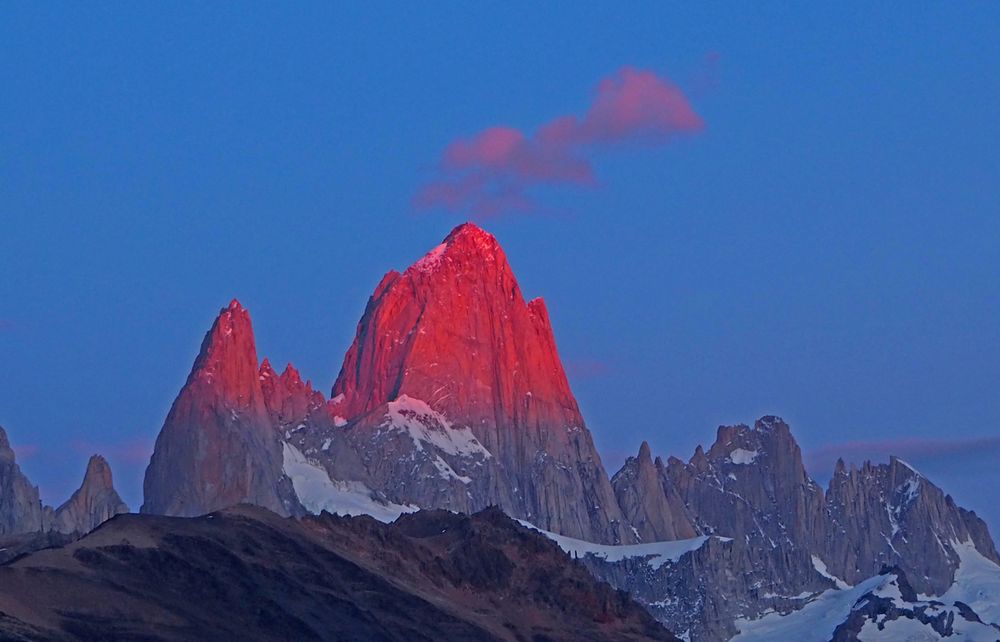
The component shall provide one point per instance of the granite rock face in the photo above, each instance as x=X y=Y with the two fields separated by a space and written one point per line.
x=20 y=508
x=218 y=446
x=786 y=540
x=650 y=502
x=451 y=365
x=891 y=515
x=95 y=502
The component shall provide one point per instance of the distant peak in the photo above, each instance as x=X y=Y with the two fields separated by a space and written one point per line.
x=291 y=375
x=235 y=305
x=644 y=452
x=98 y=473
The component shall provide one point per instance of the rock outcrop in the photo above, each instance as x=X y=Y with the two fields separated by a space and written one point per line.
x=453 y=370
x=891 y=515
x=20 y=508
x=95 y=502
x=289 y=400
x=649 y=500
x=218 y=446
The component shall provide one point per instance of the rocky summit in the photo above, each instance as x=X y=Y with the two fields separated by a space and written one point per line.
x=26 y=524
x=218 y=447
x=451 y=357
x=452 y=396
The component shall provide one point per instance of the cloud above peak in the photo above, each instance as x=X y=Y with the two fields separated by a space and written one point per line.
x=490 y=173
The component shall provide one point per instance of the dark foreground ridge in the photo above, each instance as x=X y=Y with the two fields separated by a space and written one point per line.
x=246 y=573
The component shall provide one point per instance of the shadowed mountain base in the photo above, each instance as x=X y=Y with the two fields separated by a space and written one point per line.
x=246 y=573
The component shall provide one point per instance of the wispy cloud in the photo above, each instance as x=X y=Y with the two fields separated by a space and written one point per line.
x=915 y=448
x=24 y=451
x=490 y=173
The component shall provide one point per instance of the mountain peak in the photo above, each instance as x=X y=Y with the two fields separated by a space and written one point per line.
x=469 y=231
x=95 y=502
x=454 y=331
x=98 y=473
x=644 y=452
x=466 y=244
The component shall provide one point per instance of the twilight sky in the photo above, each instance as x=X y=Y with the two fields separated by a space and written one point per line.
x=730 y=211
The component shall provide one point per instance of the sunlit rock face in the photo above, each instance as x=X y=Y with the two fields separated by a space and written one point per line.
x=218 y=446
x=454 y=335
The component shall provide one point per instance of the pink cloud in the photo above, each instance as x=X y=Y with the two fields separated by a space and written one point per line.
x=489 y=173
x=918 y=449
x=24 y=451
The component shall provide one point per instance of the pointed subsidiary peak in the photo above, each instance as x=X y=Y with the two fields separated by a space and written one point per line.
x=266 y=370
x=292 y=378
x=95 y=502
x=644 y=452
x=98 y=473
x=226 y=366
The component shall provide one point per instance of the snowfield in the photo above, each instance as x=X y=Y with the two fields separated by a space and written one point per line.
x=317 y=492
x=658 y=553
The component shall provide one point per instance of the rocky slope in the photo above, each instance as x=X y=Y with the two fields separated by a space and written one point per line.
x=246 y=573
x=95 y=502
x=218 y=446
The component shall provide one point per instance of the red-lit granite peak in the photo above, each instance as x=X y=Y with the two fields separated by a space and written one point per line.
x=454 y=330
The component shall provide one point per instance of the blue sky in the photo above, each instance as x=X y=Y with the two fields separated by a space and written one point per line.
x=826 y=248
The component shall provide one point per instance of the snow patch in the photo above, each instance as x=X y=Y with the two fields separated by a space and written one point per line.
x=339 y=421
x=821 y=568
x=317 y=492
x=430 y=260
x=977 y=583
x=814 y=622
x=427 y=426
x=743 y=457
x=659 y=553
